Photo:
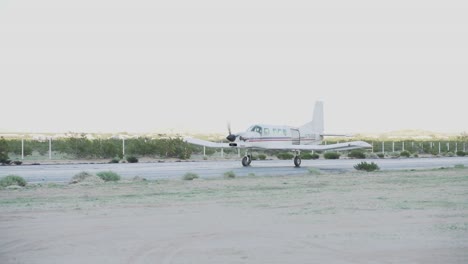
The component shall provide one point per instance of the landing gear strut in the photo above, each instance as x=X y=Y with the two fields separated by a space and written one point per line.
x=297 y=160
x=246 y=160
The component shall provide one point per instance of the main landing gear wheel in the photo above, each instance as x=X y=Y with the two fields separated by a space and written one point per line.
x=297 y=161
x=246 y=160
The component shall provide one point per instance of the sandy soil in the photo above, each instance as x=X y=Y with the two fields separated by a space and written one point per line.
x=383 y=217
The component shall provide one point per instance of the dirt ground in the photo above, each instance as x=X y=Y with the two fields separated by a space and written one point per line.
x=355 y=217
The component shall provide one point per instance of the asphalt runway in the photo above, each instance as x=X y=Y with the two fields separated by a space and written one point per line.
x=208 y=169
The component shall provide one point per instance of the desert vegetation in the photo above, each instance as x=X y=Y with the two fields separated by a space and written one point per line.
x=108 y=176
x=310 y=156
x=12 y=180
x=83 y=148
x=357 y=154
x=189 y=176
x=229 y=175
x=285 y=156
x=365 y=166
x=331 y=155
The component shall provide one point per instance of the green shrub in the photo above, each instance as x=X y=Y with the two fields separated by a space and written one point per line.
x=114 y=160
x=366 y=166
x=139 y=179
x=190 y=176
x=262 y=156
x=405 y=153
x=314 y=171
x=381 y=155
x=357 y=154
x=450 y=154
x=184 y=155
x=12 y=180
x=331 y=155
x=132 y=159
x=309 y=156
x=81 y=176
x=459 y=166
x=5 y=161
x=461 y=153
x=229 y=175
x=254 y=157
x=4 y=148
x=285 y=156
x=17 y=162
x=108 y=176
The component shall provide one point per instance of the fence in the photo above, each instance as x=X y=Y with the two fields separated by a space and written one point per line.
x=71 y=148
x=80 y=147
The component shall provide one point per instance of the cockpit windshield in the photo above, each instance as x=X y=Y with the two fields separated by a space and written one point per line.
x=257 y=129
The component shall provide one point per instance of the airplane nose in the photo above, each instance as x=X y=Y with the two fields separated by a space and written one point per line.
x=231 y=137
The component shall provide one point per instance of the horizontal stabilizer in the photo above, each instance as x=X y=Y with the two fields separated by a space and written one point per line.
x=205 y=143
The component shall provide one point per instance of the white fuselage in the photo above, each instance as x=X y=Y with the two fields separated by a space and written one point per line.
x=268 y=136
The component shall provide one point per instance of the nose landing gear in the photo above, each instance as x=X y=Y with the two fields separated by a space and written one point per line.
x=246 y=160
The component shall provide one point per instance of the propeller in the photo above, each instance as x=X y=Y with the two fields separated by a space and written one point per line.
x=231 y=137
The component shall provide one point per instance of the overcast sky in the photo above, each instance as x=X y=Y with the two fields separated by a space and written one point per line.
x=141 y=66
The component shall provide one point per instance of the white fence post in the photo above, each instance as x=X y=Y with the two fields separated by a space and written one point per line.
x=393 y=146
x=222 y=153
x=439 y=147
x=383 y=147
x=403 y=146
x=204 y=151
x=50 y=147
x=22 y=147
x=123 y=147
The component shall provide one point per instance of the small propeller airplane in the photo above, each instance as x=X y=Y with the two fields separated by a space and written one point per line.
x=305 y=138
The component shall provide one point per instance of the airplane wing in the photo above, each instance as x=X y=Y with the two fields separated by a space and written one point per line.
x=205 y=143
x=339 y=146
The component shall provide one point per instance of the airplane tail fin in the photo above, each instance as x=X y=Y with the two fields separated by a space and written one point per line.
x=316 y=126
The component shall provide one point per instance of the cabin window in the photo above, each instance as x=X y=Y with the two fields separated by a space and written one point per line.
x=284 y=132
x=275 y=132
x=266 y=131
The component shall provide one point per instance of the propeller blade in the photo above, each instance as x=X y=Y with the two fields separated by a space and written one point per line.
x=231 y=137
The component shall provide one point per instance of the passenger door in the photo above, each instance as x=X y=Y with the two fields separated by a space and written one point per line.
x=295 y=136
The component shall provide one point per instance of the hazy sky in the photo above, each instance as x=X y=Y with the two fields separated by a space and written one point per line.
x=106 y=65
